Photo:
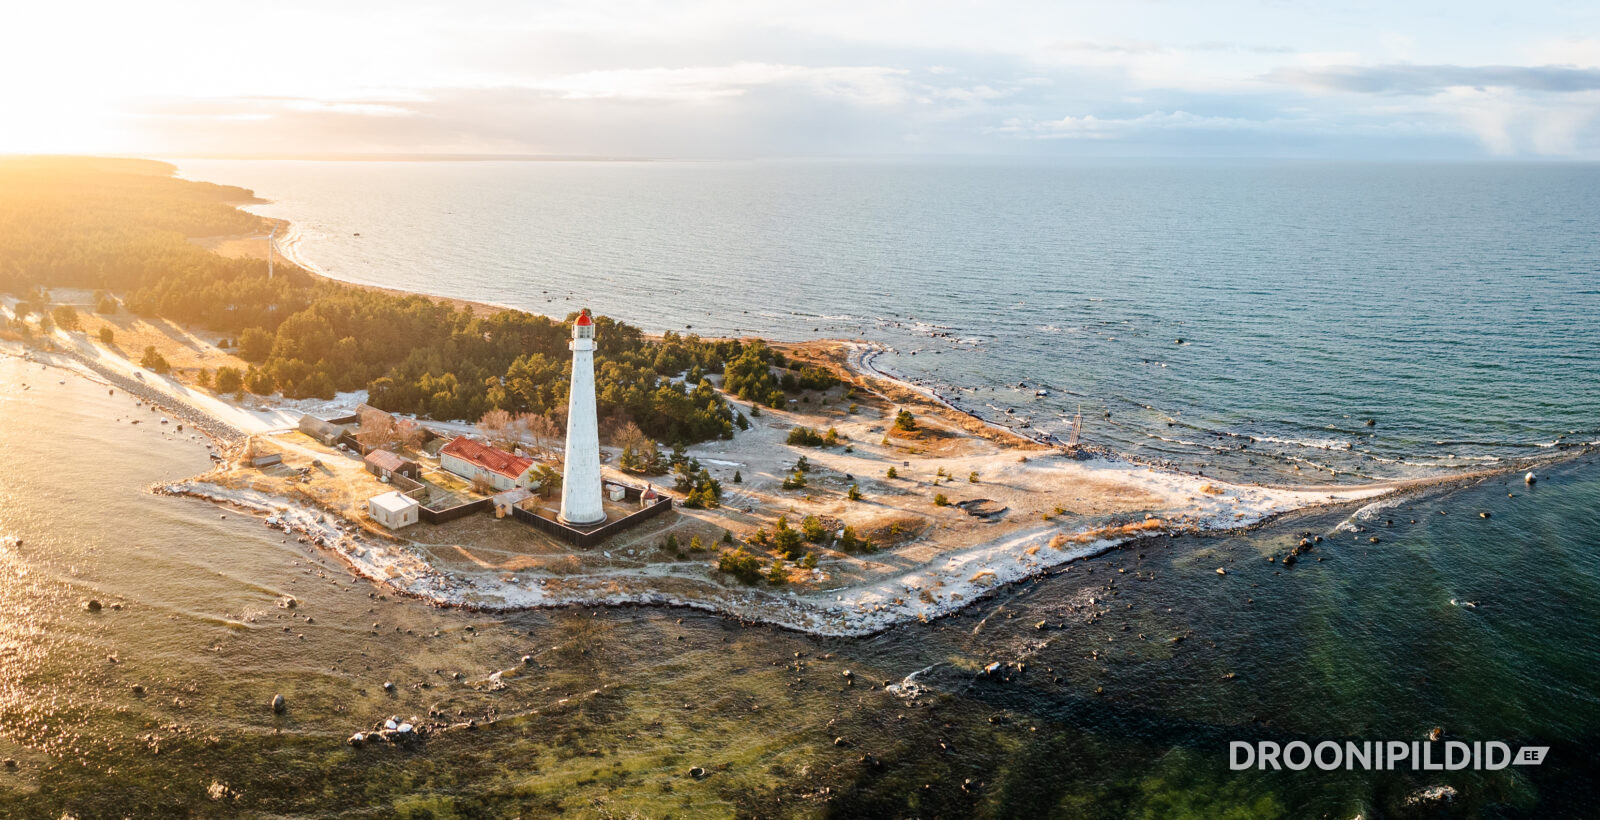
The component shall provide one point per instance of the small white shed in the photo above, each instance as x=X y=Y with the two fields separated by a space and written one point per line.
x=393 y=510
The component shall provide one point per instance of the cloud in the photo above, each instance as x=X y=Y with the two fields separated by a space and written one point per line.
x=1432 y=79
x=1100 y=128
x=1152 y=47
x=867 y=85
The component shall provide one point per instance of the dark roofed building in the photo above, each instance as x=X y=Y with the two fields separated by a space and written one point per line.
x=322 y=430
x=385 y=464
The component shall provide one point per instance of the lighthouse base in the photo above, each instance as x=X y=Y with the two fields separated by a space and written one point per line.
x=582 y=524
x=618 y=517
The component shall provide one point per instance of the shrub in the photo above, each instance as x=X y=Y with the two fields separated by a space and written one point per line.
x=805 y=437
x=727 y=537
x=104 y=302
x=203 y=378
x=229 y=380
x=893 y=473
x=811 y=527
x=154 y=361
x=786 y=539
x=255 y=345
x=695 y=545
x=740 y=564
x=107 y=337
x=258 y=382
x=738 y=478
x=972 y=477
x=905 y=422
x=940 y=501
x=66 y=317
x=778 y=575
x=802 y=465
x=855 y=492
x=794 y=481
x=832 y=438
x=849 y=541
x=809 y=562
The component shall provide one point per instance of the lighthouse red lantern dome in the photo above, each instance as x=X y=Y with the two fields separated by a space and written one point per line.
x=583 y=319
x=583 y=326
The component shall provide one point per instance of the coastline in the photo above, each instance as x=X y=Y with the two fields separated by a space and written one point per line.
x=927 y=590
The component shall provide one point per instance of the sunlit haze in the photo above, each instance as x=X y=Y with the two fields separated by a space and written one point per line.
x=719 y=79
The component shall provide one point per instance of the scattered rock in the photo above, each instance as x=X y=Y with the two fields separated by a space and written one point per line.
x=388 y=686
x=697 y=773
x=138 y=689
x=1438 y=732
x=1432 y=795
x=92 y=605
x=357 y=739
x=1530 y=477
x=279 y=705
x=1484 y=514
x=1221 y=571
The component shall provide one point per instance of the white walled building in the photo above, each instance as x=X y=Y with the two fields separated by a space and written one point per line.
x=473 y=460
x=393 y=510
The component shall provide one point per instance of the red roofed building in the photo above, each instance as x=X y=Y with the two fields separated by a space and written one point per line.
x=473 y=460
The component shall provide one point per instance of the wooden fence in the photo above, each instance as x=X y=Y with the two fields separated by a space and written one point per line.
x=588 y=538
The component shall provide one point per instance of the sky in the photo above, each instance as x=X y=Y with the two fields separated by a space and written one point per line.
x=746 y=78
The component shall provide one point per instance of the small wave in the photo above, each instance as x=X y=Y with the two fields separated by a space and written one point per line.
x=1331 y=444
x=1367 y=512
x=908 y=688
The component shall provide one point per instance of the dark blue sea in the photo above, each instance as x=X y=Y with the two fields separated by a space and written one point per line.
x=1233 y=316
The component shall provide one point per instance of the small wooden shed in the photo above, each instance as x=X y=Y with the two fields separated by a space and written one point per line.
x=387 y=465
x=322 y=430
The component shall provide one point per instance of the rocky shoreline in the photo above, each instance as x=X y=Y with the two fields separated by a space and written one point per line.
x=218 y=430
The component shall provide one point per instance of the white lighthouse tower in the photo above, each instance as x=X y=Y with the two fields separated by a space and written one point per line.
x=580 y=487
